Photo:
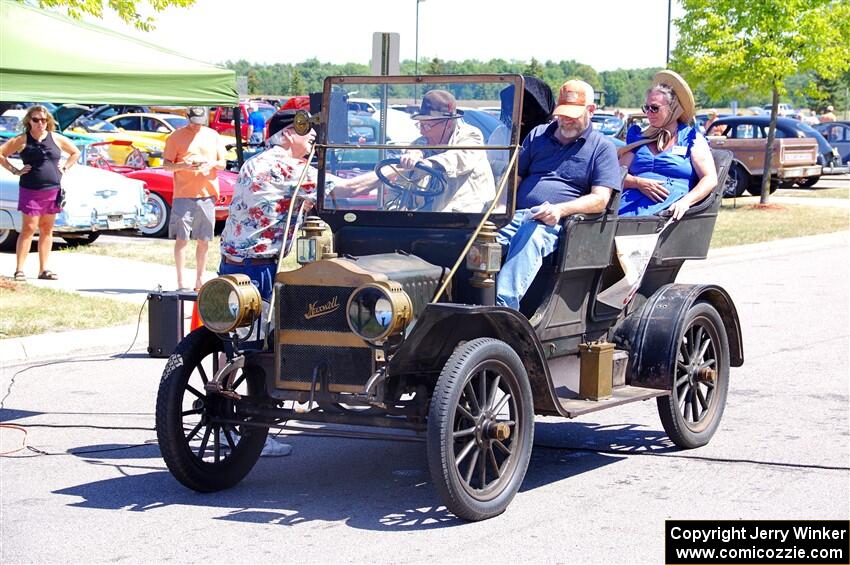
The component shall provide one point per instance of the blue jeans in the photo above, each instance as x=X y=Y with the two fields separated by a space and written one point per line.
x=527 y=243
x=261 y=275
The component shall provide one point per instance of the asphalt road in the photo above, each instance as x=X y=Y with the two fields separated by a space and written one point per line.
x=94 y=488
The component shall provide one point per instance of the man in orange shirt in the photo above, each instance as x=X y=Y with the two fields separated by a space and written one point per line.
x=194 y=152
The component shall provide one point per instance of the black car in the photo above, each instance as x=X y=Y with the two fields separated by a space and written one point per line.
x=838 y=135
x=390 y=322
x=786 y=127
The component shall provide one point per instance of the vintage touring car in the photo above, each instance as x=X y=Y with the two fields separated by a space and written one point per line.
x=390 y=321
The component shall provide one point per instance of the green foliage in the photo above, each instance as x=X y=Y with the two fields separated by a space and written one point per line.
x=127 y=10
x=533 y=68
x=746 y=48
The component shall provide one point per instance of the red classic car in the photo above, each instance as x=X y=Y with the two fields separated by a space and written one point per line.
x=221 y=119
x=160 y=185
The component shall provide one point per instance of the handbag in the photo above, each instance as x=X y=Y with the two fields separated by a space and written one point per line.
x=60 y=198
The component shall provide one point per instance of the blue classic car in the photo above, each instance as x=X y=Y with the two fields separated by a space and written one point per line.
x=837 y=134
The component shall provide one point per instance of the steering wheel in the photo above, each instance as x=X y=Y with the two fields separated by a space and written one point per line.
x=408 y=184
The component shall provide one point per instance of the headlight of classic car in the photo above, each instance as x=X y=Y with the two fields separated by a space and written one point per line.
x=378 y=310
x=228 y=302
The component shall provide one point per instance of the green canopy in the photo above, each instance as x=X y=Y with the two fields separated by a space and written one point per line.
x=45 y=56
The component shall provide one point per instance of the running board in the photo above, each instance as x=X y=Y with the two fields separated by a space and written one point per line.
x=573 y=407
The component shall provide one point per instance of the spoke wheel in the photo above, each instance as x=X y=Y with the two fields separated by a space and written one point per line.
x=692 y=412
x=480 y=429
x=200 y=451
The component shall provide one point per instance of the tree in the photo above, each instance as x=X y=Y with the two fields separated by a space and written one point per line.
x=126 y=9
x=296 y=86
x=533 y=68
x=757 y=44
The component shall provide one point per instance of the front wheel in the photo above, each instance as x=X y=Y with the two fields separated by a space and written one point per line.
x=692 y=412
x=480 y=429
x=160 y=210
x=201 y=451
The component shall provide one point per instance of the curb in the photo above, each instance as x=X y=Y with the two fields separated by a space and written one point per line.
x=54 y=345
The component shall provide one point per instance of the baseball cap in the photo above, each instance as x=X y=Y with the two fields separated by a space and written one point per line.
x=437 y=105
x=280 y=120
x=573 y=98
x=197 y=115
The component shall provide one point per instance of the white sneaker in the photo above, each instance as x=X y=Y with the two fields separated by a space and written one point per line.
x=274 y=448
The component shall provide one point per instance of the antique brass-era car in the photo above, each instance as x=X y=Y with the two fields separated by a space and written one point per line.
x=390 y=321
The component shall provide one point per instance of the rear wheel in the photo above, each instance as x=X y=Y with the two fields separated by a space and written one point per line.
x=82 y=239
x=201 y=451
x=8 y=239
x=480 y=429
x=160 y=210
x=736 y=181
x=692 y=412
x=808 y=182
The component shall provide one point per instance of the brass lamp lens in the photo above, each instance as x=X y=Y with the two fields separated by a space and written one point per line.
x=375 y=312
x=228 y=302
x=302 y=123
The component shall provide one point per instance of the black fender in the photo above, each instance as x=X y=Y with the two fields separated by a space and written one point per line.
x=440 y=327
x=650 y=334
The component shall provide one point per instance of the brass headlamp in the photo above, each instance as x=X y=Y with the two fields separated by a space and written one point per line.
x=229 y=302
x=378 y=310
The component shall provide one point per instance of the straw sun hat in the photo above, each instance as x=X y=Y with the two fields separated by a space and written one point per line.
x=682 y=90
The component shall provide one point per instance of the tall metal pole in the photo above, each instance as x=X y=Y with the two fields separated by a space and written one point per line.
x=416 y=62
x=669 y=19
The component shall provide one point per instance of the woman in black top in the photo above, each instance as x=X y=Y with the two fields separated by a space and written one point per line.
x=40 y=149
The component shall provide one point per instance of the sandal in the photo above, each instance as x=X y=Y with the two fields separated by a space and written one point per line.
x=19 y=276
x=48 y=276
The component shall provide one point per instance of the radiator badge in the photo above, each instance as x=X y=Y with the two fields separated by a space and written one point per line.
x=314 y=311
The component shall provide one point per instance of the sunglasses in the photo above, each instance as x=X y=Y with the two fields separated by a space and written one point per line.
x=651 y=108
x=39 y=120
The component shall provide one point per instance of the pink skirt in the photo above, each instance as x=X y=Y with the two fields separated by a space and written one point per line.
x=38 y=202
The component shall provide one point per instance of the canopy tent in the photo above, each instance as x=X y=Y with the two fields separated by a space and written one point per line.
x=45 y=56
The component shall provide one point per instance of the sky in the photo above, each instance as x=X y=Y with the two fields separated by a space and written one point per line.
x=600 y=33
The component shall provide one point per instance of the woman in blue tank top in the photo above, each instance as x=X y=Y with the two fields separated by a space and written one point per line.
x=40 y=150
x=669 y=163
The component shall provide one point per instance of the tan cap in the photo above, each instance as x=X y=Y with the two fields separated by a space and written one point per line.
x=573 y=99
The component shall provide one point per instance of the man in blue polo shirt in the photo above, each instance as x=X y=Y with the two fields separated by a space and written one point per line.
x=565 y=168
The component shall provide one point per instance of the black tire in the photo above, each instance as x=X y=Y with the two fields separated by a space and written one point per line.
x=161 y=210
x=81 y=239
x=755 y=186
x=186 y=419
x=692 y=412
x=736 y=181
x=8 y=239
x=808 y=182
x=466 y=437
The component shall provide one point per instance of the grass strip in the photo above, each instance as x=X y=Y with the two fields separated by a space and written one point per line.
x=30 y=310
x=750 y=224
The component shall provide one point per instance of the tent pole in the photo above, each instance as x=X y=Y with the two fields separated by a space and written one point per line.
x=237 y=131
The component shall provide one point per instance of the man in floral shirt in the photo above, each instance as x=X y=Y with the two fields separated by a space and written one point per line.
x=252 y=236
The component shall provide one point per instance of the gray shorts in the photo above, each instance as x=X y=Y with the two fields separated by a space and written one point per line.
x=192 y=218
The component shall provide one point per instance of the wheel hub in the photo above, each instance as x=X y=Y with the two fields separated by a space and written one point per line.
x=706 y=375
x=491 y=429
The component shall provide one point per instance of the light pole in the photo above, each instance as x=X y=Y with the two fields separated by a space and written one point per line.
x=416 y=55
x=669 y=16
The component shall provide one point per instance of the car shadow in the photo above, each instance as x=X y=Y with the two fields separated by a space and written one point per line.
x=370 y=485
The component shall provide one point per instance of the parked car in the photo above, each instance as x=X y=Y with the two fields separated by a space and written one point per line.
x=159 y=127
x=221 y=118
x=794 y=162
x=160 y=185
x=484 y=121
x=606 y=124
x=781 y=110
x=73 y=119
x=390 y=322
x=96 y=201
x=837 y=134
